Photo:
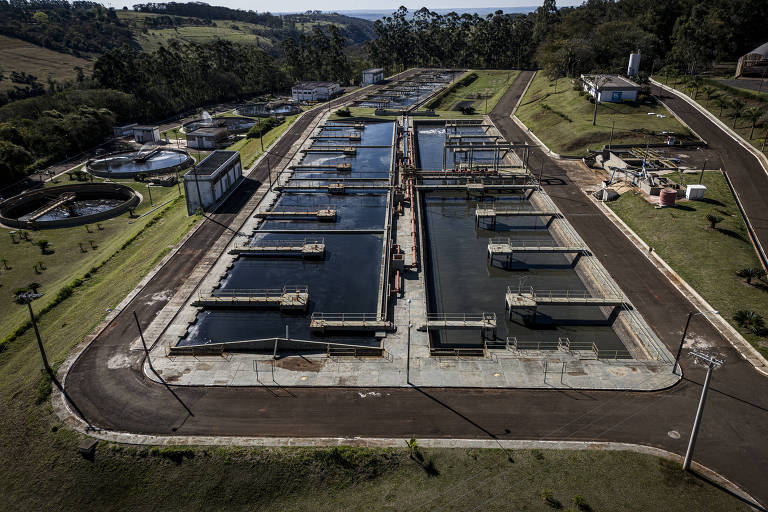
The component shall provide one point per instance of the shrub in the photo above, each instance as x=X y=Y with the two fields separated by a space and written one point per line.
x=263 y=126
x=344 y=112
x=714 y=220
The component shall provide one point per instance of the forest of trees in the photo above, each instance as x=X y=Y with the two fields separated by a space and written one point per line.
x=184 y=75
x=688 y=35
x=210 y=12
x=76 y=28
x=318 y=55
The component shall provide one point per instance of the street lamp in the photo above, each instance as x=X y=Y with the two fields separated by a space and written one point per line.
x=691 y=314
x=712 y=363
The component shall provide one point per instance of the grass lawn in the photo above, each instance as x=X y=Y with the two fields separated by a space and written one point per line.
x=18 y=55
x=489 y=84
x=229 y=30
x=563 y=119
x=720 y=92
x=68 y=261
x=250 y=149
x=706 y=258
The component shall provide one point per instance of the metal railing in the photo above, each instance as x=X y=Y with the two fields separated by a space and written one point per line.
x=287 y=243
x=352 y=318
x=265 y=292
x=539 y=244
x=561 y=294
x=563 y=344
x=462 y=318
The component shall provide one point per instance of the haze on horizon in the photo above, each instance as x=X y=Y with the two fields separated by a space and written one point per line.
x=350 y=5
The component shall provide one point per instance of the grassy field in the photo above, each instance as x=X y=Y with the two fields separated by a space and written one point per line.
x=68 y=261
x=563 y=119
x=706 y=258
x=250 y=149
x=718 y=99
x=18 y=55
x=235 y=31
x=489 y=85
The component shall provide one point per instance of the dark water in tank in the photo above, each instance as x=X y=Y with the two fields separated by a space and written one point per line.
x=125 y=163
x=346 y=280
x=77 y=209
x=461 y=280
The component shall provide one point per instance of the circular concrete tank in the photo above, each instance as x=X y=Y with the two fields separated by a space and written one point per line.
x=68 y=205
x=128 y=164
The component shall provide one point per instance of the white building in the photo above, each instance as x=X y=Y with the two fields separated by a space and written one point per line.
x=373 y=76
x=144 y=134
x=206 y=138
x=207 y=182
x=315 y=91
x=610 y=88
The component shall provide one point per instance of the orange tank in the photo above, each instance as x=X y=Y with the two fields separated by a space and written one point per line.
x=667 y=197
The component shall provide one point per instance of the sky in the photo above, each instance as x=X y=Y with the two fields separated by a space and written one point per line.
x=342 y=5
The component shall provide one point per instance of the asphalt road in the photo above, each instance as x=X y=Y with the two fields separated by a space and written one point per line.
x=731 y=441
x=747 y=175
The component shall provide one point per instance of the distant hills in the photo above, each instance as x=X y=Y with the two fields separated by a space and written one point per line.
x=375 y=14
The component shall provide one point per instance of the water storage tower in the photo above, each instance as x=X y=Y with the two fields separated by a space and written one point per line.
x=634 y=64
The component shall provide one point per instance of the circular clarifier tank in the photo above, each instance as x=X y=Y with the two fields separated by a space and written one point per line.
x=68 y=205
x=131 y=163
x=231 y=123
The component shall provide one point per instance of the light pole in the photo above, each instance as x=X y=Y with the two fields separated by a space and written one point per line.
x=711 y=364
x=691 y=314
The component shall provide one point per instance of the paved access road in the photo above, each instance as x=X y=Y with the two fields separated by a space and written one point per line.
x=732 y=439
x=747 y=175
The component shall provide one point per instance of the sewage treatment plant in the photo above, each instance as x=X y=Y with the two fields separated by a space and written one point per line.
x=402 y=249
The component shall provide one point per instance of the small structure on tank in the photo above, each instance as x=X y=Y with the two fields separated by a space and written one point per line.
x=143 y=134
x=210 y=180
x=206 y=137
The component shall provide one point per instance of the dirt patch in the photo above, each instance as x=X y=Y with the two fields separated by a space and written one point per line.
x=300 y=364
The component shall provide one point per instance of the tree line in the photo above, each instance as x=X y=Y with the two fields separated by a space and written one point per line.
x=598 y=35
x=76 y=28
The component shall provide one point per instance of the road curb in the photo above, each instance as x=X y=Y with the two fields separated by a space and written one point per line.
x=737 y=341
x=727 y=129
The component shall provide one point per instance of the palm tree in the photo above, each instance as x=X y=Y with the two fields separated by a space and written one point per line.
x=737 y=110
x=712 y=93
x=695 y=82
x=721 y=103
x=750 y=273
x=34 y=286
x=714 y=220
x=753 y=114
x=749 y=320
x=413 y=448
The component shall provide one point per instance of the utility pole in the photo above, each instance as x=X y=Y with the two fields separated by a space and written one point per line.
x=712 y=363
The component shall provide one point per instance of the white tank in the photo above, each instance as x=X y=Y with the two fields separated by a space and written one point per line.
x=634 y=64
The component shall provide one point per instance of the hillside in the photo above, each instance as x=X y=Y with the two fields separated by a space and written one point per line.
x=23 y=57
x=150 y=30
